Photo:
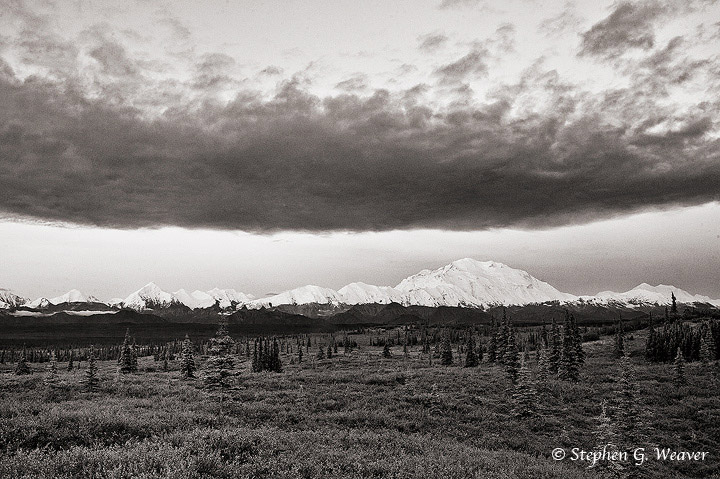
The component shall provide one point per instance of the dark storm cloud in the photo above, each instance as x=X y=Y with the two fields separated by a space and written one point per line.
x=374 y=162
x=474 y=63
x=630 y=25
x=432 y=42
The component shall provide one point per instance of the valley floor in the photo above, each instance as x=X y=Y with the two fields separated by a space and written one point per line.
x=354 y=416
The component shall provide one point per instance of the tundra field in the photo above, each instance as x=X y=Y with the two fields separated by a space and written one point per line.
x=356 y=415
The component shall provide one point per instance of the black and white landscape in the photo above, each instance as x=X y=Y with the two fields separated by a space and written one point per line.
x=315 y=238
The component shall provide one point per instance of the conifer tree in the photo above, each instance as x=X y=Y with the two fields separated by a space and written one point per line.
x=22 y=368
x=446 y=354
x=300 y=355
x=501 y=338
x=492 y=349
x=187 y=361
x=626 y=412
x=471 y=359
x=134 y=357
x=673 y=308
x=125 y=361
x=554 y=348
x=619 y=341
x=91 y=381
x=51 y=378
x=321 y=352
x=568 y=368
x=679 y=370
x=543 y=365
x=219 y=366
x=524 y=393
x=511 y=359
x=707 y=344
x=607 y=438
x=70 y=361
x=386 y=351
x=577 y=342
x=329 y=352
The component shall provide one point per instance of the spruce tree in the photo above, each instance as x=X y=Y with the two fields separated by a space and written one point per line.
x=568 y=368
x=386 y=351
x=707 y=344
x=218 y=368
x=543 y=365
x=300 y=355
x=619 y=341
x=125 y=361
x=524 y=393
x=446 y=354
x=329 y=352
x=554 y=348
x=134 y=357
x=91 y=381
x=471 y=358
x=627 y=412
x=70 y=361
x=321 y=352
x=673 y=308
x=511 y=359
x=607 y=438
x=577 y=341
x=22 y=368
x=679 y=370
x=51 y=378
x=492 y=350
x=187 y=359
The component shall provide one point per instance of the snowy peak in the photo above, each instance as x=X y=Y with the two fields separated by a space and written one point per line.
x=468 y=282
x=646 y=294
x=228 y=298
x=149 y=296
x=8 y=299
x=72 y=296
x=303 y=295
x=361 y=293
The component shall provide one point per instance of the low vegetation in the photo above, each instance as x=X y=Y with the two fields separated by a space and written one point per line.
x=400 y=411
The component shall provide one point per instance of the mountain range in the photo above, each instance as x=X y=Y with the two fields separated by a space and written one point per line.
x=465 y=283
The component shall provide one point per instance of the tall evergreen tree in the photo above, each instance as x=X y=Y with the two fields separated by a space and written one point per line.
x=218 y=369
x=577 y=341
x=471 y=359
x=607 y=438
x=543 y=365
x=568 y=368
x=554 y=348
x=524 y=393
x=321 y=352
x=679 y=370
x=386 y=351
x=70 y=360
x=22 y=368
x=627 y=412
x=512 y=357
x=446 y=354
x=187 y=361
x=673 y=308
x=126 y=362
x=492 y=349
x=91 y=380
x=619 y=341
x=707 y=344
x=51 y=378
x=501 y=338
x=300 y=355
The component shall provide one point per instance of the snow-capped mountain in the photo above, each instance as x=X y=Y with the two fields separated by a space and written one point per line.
x=361 y=293
x=302 y=295
x=645 y=294
x=39 y=303
x=73 y=296
x=465 y=282
x=8 y=299
x=194 y=300
x=149 y=296
x=228 y=297
x=468 y=282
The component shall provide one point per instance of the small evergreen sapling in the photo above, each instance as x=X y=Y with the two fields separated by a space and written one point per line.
x=524 y=393
x=679 y=370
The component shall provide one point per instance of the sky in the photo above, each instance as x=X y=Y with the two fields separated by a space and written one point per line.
x=264 y=145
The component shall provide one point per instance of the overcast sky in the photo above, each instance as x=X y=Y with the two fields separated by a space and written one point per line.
x=266 y=145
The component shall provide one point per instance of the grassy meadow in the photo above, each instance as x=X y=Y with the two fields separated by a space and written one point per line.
x=353 y=416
